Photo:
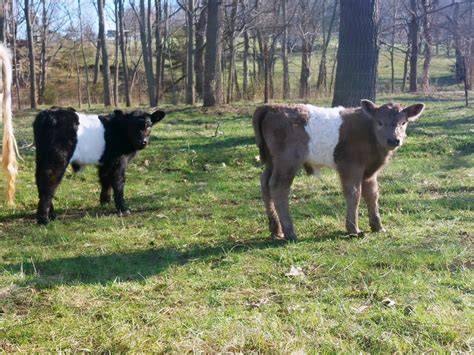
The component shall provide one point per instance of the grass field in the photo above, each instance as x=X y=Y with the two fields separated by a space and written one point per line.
x=192 y=269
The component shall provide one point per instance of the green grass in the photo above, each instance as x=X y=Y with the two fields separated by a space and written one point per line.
x=192 y=269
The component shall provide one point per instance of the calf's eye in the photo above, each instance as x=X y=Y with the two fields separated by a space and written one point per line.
x=380 y=123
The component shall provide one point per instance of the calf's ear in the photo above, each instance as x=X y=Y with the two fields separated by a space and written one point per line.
x=368 y=107
x=414 y=111
x=118 y=113
x=157 y=116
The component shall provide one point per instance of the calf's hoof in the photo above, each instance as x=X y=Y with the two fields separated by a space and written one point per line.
x=378 y=228
x=52 y=216
x=42 y=220
x=124 y=212
x=104 y=200
x=291 y=237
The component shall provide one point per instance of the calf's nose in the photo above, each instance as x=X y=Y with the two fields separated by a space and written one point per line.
x=393 y=142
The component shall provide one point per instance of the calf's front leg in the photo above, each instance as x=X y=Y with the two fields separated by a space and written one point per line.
x=112 y=175
x=280 y=184
x=351 y=186
x=370 y=192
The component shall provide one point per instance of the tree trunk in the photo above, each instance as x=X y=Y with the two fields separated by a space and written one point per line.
x=284 y=53
x=190 y=54
x=146 y=52
x=116 y=56
x=199 y=50
x=105 y=56
x=392 y=46
x=159 y=49
x=84 y=61
x=305 y=68
x=413 y=28
x=31 y=53
x=95 y=79
x=322 y=75
x=357 y=56
x=210 y=68
x=245 y=64
x=16 y=68
x=405 y=66
x=230 y=76
x=44 y=34
x=427 y=31
x=123 y=52
x=460 y=62
x=266 y=72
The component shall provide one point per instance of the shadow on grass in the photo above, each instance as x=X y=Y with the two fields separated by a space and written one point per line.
x=132 y=265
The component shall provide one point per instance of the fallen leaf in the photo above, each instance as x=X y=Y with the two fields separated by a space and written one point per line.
x=295 y=271
x=387 y=302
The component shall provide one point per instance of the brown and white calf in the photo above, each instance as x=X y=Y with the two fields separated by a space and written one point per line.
x=357 y=142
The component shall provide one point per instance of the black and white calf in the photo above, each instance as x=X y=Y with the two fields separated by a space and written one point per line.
x=63 y=136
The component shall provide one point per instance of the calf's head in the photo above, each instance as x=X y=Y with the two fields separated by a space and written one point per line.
x=137 y=125
x=390 y=121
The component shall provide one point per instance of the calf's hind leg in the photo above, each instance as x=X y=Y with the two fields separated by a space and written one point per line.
x=273 y=221
x=280 y=184
x=106 y=183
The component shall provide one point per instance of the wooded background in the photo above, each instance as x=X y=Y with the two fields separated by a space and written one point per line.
x=213 y=52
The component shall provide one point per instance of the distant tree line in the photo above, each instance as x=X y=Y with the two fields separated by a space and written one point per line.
x=221 y=51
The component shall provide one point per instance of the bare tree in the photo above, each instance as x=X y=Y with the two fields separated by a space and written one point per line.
x=144 y=20
x=199 y=49
x=210 y=69
x=105 y=56
x=413 y=35
x=31 y=52
x=284 y=51
x=357 y=56
x=84 y=60
x=123 y=52
x=322 y=75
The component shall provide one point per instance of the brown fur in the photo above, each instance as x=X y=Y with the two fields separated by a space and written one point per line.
x=367 y=138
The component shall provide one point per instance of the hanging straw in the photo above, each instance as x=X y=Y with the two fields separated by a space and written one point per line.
x=10 y=149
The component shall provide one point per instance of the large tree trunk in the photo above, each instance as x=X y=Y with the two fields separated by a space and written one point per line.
x=427 y=20
x=357 y=55
x=413 y=28
x=284 y=53
x=146 y=51
x=123 y=52
x=210 y=67
x=190 y=54
x=31 y=54
x=199 y=50
x=105 y=56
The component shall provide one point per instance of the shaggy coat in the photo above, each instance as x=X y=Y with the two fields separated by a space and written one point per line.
x=357 y=142
x=63 y=137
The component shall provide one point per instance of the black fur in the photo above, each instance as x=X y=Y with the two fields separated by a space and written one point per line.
x=55 y=134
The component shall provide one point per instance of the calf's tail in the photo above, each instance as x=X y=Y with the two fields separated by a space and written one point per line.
x=10 y=148
x=257 y=121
